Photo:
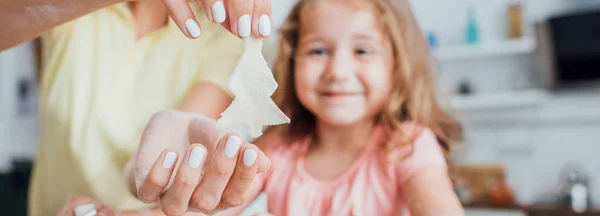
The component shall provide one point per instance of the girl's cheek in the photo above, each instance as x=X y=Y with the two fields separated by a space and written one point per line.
x=308 y=73
x=302 y=80
x=378 y=79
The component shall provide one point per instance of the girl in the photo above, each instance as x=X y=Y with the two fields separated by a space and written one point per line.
x=366 y=135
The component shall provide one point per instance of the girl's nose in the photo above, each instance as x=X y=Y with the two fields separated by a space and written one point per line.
x=340 y=67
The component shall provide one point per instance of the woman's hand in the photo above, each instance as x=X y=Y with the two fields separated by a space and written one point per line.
x=188 y=165
x=240 y=17
x=85 y=206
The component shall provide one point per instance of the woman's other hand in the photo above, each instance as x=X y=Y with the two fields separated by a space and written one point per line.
x=241 y=17
x=85 y=206
x=188 y=165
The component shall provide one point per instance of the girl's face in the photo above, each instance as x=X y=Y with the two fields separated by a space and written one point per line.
x=344 y=62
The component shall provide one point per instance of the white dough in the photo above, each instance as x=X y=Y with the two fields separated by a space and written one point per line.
x=252 y=84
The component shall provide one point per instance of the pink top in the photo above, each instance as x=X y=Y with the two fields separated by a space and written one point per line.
x=371 y=186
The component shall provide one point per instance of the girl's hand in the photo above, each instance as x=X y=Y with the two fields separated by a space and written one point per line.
x=85 y=205
x=188 y=165
x=240 y=17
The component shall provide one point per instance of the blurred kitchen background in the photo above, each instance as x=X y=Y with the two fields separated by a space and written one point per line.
x=522 y=75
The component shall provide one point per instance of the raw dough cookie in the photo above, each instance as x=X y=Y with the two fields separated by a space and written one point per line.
x=252 y=83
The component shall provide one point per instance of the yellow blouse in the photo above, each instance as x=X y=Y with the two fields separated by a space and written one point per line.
x=100 y=86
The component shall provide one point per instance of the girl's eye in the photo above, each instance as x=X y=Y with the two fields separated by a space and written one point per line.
x=318 y=52
x=361 y=52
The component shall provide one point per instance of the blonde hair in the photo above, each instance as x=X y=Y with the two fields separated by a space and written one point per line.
x=413 y=93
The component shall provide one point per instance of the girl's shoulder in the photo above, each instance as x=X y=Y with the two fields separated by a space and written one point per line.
x=282 y=153
x=412 y=148
x=274 y=142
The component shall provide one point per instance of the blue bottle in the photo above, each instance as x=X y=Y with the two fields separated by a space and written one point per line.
x=472 y=31
x=433 y=40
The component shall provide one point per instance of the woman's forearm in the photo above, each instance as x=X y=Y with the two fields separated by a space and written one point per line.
x=23 y=20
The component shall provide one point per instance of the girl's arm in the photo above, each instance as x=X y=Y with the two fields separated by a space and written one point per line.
x=207 y=100
x=424 y=181
x=429 y=192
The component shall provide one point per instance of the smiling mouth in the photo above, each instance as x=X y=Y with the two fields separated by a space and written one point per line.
x=339 y=94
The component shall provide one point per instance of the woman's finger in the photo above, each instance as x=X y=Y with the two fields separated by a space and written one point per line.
x=208 y=193
x=240 y=13
x=261 y=18
x=264 y=163
x=215 y=10
x=227 y=25
x=182 y=15
x=159 y=177
x=176 y=200
x=242 y=177
x=80 y=205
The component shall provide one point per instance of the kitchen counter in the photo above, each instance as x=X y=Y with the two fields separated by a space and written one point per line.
x=493 y=212
x=535 y=210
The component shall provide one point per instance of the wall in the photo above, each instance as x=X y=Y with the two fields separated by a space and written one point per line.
x=18 y=127
x=533 y=142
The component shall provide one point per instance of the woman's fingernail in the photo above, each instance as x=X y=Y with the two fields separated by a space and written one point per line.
x=232 y=146
x=264 y=25
x=85 y=209
x=218 y=12
x=197 y=156
x=249 y=157
x=244 y=25
x=169 y=160
x=192 y=27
